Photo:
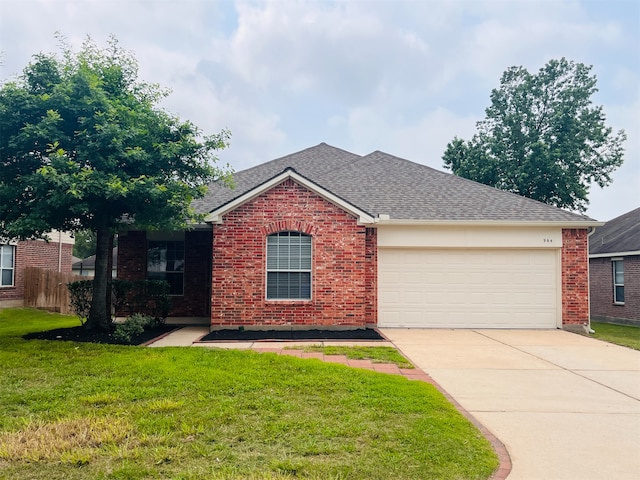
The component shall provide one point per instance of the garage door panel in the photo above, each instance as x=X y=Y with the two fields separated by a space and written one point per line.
x=468 y=289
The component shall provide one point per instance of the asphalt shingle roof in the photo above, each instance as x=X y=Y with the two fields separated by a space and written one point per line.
x=381 y=184
x=622 y=234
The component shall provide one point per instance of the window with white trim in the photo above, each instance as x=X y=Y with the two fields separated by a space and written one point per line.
x=165 y=261
x=289 y=266
x=618 y=281
x=7 y=265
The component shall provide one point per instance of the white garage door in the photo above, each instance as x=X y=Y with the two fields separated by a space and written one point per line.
x=467 y=288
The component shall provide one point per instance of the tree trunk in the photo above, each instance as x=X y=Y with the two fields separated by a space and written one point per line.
x=99 y=314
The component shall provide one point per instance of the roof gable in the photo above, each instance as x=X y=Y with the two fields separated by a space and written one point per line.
x=215 y=216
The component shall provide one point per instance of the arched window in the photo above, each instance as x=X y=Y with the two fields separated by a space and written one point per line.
x=289 y=266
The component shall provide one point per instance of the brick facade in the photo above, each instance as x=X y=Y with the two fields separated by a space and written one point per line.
x=39 y=254
x=575 y=277
x=225 y=269
x=343 y=263
x=132 y=265
x=601 y=287
x=371 y=277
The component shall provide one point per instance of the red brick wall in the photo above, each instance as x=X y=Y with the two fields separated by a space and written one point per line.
x=575 y=277
x=343 y=265
x=132 y=265
x=372 y=276
x=35 y=253
x=132 y=256
x=601 y=287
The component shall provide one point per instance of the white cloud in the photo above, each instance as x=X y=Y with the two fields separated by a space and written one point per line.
x=399 y=76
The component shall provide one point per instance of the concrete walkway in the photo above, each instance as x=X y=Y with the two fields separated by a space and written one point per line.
x=565 y=406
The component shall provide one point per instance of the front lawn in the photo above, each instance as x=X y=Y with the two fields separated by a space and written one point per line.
x=84 y=411
x=625 y=335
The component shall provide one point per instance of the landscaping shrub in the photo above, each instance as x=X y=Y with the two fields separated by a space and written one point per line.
x=132 y=326
x=80 y=294
x=149 y=297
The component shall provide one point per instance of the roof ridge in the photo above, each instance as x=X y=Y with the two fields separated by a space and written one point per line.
x=379 y=182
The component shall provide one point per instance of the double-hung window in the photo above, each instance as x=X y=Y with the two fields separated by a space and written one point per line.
x=165 y=261
x=618 y=281
x=289 y=266
x=7 y=265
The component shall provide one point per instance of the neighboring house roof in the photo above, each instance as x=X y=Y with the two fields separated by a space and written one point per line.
x=382 y=184
x=620 y=235
x=89 y=263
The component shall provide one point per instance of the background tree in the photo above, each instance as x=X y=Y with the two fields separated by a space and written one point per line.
x=542 y=138
x=85 y=245
x=83 y=145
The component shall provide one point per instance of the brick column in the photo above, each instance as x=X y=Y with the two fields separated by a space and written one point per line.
x=575 y=278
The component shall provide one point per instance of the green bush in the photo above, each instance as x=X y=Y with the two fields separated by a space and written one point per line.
x=132 y=326
x=149 y=297
x=80 y=294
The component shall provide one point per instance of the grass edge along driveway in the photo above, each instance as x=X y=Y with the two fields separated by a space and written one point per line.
x=77 y=411
x=624 y=335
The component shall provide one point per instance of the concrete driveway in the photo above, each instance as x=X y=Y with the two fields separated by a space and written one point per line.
x=565 y=406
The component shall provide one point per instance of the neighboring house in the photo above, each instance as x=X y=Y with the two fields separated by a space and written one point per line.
x=324 y=237
x=16 y=256
x=614 y=270
x=87 y=267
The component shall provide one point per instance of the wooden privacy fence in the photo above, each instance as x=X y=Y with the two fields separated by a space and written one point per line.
x=47 y=289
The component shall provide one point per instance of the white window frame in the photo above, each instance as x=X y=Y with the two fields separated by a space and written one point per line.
x=7 y=268
x=285 y=266
x=617 y=262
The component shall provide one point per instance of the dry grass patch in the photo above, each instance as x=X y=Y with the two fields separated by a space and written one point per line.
x=64 y=441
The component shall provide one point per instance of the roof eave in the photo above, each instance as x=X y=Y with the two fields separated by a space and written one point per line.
x=615 y=254
x=491 y=223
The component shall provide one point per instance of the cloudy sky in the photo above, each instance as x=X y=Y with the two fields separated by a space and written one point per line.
x=403 y=77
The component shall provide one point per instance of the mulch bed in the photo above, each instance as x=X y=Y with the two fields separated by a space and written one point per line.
x=79 y=334
x=300 y=335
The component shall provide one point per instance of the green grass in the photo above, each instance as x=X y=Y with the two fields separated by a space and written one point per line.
x=85 y=411
x=625 y=335
x=375 y=354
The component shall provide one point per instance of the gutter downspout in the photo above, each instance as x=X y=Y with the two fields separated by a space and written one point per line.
x=587 y=326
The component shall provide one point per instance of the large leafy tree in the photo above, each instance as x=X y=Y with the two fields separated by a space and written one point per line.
x=84 y=145
x=542 y=137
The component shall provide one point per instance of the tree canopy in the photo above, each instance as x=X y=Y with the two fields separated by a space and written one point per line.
x=542 y=137
x=84 y=145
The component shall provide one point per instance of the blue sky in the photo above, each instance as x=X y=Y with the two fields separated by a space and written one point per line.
x=403 y=77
